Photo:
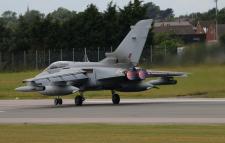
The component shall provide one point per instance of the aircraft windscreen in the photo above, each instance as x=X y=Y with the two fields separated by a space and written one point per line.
x=57 y=65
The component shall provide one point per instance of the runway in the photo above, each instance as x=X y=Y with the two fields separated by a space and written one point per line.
x=132 y=111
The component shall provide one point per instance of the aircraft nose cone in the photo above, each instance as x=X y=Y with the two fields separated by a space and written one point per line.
x=18 y=89
x=24 y=89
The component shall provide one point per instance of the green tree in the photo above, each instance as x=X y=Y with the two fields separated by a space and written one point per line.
x=9 y=14
x=210 y=15
x=28 y=34
x=168 y=40
x=221 y=16
x=152 y=11
x=130 y=15
x=5 y=38
x=222 y=39
x=166 y=14
x=111 y=26
x=61 y=15
x=91 y=27
x=52 y=34
x=10 y=19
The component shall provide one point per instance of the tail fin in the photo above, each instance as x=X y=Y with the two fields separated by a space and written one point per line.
x=130 y=49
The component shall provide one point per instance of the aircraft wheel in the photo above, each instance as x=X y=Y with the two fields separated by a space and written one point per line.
x=56 y=102
x=79 y=100
x=116 y=99
x=60 y=101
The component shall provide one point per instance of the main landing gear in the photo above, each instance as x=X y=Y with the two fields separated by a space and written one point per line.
x=79 y=100
x=58 y=101
x=115 y=98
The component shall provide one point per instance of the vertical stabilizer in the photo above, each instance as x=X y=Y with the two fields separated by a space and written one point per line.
x=130 y=49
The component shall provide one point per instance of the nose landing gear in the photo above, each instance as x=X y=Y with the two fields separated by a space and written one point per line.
x=58 y=101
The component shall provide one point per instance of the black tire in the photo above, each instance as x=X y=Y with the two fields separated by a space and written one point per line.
x=56 y=102
x=116 y=99
x=78 y=100
x=60 y=101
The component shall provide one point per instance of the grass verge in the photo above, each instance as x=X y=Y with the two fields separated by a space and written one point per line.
x=101 y=133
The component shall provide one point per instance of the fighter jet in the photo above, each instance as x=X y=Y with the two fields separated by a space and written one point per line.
x=117 y=72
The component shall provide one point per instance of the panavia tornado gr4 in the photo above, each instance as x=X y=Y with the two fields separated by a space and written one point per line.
x=117 y=72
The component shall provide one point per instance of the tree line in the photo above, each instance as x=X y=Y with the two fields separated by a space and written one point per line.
x=210 y=15
x=63 y=29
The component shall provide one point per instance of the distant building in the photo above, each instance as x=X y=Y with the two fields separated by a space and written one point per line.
x=209 y=27
x=183 y=29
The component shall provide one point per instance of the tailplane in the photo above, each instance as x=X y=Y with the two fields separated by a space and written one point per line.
x=130 y=49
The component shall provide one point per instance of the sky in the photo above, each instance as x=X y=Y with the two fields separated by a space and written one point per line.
x=181 y=7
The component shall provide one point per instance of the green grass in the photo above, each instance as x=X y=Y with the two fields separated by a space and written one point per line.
x=204 y=81
x=102 y=133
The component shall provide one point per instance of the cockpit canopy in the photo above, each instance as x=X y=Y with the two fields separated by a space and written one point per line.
x=57 y=65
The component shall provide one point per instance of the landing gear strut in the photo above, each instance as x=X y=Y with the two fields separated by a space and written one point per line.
x=115 y=98
x=58 y=101
x=79 y=100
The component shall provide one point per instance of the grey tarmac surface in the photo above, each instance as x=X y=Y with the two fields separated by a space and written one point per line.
x=130 y=111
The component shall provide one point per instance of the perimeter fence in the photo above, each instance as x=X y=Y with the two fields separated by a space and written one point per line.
x=40 y=59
